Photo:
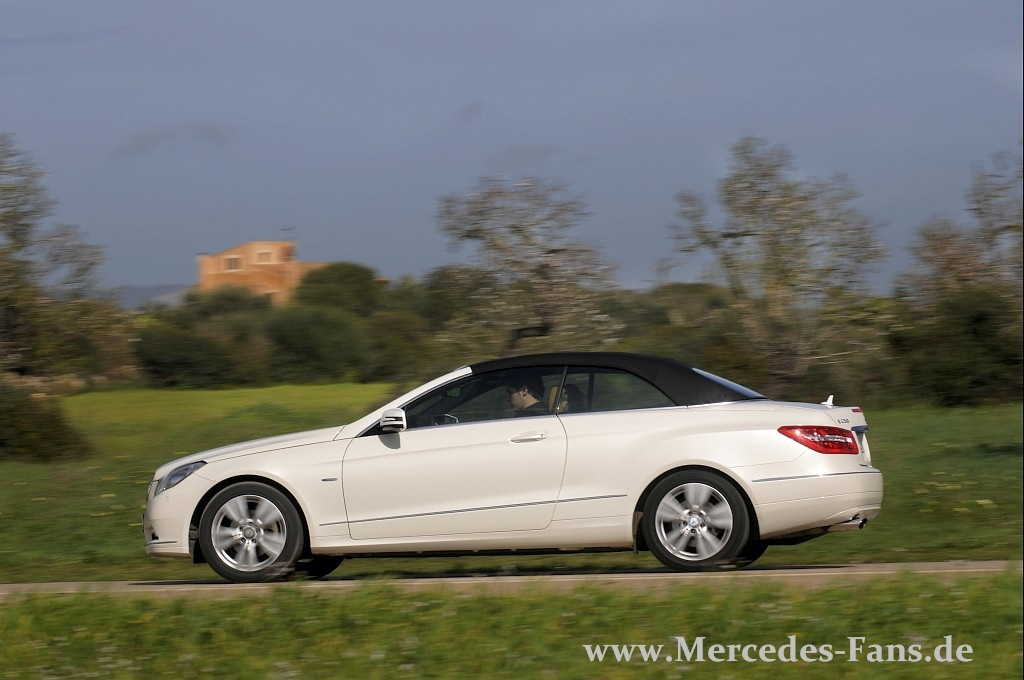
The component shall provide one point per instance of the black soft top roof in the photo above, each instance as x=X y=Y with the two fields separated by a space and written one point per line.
x=680 y=383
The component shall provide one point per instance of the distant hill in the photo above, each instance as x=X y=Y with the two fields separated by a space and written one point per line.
x=138 y=297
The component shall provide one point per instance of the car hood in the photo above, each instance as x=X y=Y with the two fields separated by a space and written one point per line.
x=283 y=441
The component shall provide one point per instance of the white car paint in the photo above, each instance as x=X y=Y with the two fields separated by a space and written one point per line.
x=570 y=481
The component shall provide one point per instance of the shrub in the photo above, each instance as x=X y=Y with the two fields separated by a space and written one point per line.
x=314 y=343
x=35 y=429
x=352 y=287
x=966 y=350
x=176 y=357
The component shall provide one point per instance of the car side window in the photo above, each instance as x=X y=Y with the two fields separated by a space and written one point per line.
x=593 y=389
x=483 y=397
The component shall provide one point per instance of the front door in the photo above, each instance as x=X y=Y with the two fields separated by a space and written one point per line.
x=467 y=464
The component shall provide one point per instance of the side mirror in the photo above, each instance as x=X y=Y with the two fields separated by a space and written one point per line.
x=393 y=420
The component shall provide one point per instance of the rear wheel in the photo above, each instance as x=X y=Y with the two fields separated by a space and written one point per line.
x=250 y=533
x=695 y=520
x=317 y=566
x=751 y=551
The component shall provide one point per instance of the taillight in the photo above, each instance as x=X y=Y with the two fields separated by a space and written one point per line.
x=822 y=439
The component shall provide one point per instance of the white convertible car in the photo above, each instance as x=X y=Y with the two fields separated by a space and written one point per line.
x=543 y=453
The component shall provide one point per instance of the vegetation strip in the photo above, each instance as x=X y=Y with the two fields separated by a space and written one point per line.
x=653 y=583
x=380 y=631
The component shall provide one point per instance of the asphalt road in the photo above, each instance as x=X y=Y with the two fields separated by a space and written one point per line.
x=648 y=581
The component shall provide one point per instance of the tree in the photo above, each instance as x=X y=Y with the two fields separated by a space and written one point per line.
x=539 y=279
x=314 y=344
x=352 y=287
x=686 y=321
x=986 y=253
x=49 y=321
x=996 y=201
x=451 y=291
x=398 y=346
x=200 y=306
x=961 y=337
x=793 y=254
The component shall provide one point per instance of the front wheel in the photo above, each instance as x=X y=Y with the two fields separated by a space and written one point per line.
x=251 y=533
x=695 y=520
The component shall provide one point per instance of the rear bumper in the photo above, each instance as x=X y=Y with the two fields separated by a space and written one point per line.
x=821 y=502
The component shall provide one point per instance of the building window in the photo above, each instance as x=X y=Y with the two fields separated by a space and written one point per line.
x=265 y=257
x=232 y=264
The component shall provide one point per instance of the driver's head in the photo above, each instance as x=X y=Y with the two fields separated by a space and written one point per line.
x=525 y=380
x=523 y=389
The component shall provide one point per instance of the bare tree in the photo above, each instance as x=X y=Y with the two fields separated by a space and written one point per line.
x=794 y=255
x=540 y=278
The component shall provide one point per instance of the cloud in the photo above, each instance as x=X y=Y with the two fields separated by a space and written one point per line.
x=147 y=141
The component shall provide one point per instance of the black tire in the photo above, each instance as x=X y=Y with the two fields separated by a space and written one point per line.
x=251 y=533
x=751 y=552
x=695 y=520
x=317 y=566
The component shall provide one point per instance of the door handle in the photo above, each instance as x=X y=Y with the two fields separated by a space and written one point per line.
x=529 y=437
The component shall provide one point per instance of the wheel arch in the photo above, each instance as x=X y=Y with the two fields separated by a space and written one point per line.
x=197 y=513
x=638 y=510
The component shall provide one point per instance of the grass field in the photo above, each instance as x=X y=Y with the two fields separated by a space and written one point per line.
x=953 y=484
x=376 y=631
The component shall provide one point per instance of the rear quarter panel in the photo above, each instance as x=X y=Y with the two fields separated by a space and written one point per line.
x=615 y=456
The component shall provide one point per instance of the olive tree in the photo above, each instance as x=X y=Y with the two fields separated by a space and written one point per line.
x=986 y=252
x=793 y=254
x=996 y=202
x=540 y=281
x=960 y=341
x=49 y=320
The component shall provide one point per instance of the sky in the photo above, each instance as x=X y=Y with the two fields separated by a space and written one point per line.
x=170 y=129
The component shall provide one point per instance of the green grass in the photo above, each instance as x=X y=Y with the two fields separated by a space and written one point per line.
x=81 y=520
x=953 y=487
x=380 y=632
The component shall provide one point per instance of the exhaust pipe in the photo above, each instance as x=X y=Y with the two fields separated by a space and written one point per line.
x=849 y=525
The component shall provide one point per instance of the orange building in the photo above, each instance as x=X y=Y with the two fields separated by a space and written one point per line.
x=264 y=267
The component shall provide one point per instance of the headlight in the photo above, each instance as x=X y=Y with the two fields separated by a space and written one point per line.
x=177 y=476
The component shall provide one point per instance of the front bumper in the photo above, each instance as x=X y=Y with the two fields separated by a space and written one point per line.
x=167 y=521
